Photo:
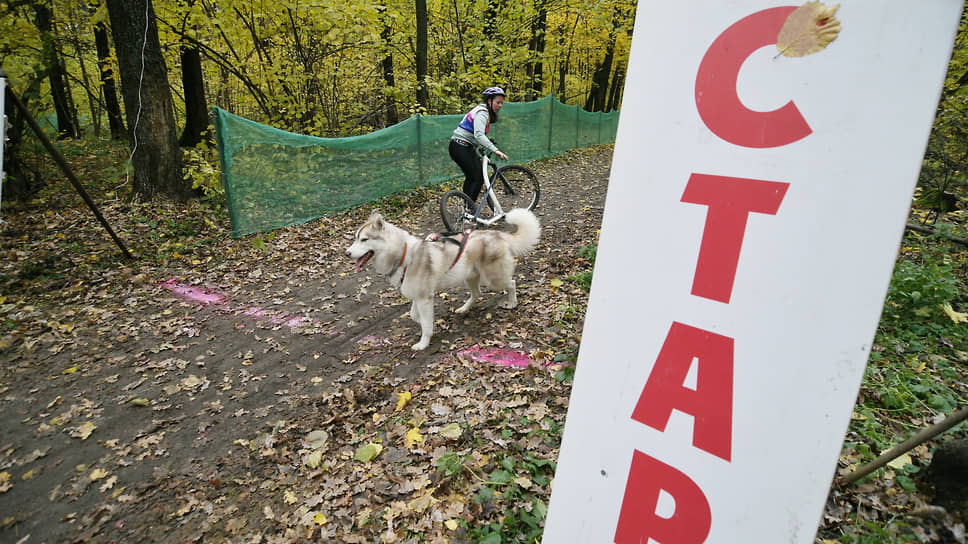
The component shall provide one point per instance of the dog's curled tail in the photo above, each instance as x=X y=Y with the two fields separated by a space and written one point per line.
x=528 y=231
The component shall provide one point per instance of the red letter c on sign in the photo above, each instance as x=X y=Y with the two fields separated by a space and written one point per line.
x=716 y=99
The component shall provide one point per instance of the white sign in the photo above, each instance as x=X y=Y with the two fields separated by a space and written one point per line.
x=4 y=126
x=754 y=213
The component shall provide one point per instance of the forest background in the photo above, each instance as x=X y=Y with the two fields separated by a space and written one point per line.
x=100 y=78
x=321 y=68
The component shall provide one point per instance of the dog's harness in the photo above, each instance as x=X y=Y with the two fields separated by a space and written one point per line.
x=399 y=264
x=463 y=244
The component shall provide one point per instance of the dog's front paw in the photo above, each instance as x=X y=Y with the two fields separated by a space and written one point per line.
x=508 y=304
x=421 y=345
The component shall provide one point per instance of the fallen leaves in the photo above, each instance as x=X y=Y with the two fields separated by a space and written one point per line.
x=413 y=436
x=359 y=440
x=367 y=453
x=84 y=431
x=314 y=459
x=900 y=462
x=451 y=431
x=403 y=399
x=317 y=440
x=957 y=317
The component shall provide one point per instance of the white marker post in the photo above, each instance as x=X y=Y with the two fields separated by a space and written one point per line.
x=754 y=213
x=3 y=127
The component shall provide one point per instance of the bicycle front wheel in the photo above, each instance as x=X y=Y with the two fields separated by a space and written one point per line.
x=517 y=187
x=456 y=209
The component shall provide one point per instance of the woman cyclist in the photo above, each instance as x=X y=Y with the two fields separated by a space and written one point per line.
x=472 y=132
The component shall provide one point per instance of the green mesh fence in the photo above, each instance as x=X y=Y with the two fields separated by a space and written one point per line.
x=275 y=178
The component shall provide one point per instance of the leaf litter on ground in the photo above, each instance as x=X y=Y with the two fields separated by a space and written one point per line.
x=133 y=414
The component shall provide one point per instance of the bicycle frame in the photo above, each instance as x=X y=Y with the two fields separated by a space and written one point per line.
x=488 y=195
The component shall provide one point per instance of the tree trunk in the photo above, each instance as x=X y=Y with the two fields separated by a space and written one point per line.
x=423 y=95
x=17 y=183
x=193 y=83
x=196 y=108
x=615 y=95
x=490 y=19
x=92 y=99
x=147 y=99
x=564 y=66
x=597 y=94
x=108 y=88
x=536 y=47
x=386 y=64
x=67 y=126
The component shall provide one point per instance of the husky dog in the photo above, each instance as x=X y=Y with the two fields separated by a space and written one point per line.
x=419 y=268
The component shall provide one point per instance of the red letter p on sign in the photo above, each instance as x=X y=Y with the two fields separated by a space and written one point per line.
x=638 y=520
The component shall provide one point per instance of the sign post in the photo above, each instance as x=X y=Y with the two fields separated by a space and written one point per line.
x=763 y=170
x=3 y=127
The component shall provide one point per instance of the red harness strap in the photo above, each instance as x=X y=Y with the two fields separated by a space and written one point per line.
x=463 y=245
x=399 y=264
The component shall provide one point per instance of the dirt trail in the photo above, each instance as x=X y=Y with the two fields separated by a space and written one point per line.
x=125 y=398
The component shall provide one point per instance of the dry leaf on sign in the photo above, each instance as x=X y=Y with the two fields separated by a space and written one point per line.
x=808 y=29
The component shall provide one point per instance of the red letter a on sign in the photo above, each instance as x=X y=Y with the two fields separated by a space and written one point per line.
x=638 y=521
x=730 y=202
x=711 y=404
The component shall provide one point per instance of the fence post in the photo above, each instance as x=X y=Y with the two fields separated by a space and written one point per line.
x=420 y=152
x=577 y=126
x=599 y=128
x=551 y=121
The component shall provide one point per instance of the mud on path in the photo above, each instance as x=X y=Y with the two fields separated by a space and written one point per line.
x=175 y=402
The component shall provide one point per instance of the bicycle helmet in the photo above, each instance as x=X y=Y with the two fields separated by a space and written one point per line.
x=493 y=91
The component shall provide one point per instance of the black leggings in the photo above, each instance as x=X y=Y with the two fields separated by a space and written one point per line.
x=470 y=163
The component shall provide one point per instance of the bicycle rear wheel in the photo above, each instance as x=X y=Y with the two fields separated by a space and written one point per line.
x=456 y=209
x=517 y=187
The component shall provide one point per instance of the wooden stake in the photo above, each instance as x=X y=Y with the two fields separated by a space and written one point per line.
x=62 y=162
x=922 y=436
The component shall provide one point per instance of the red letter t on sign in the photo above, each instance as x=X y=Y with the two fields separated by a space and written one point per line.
x=730 y=201
x=711 y=404
x=638 y=522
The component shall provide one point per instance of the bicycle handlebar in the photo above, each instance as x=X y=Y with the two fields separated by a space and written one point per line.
x=484 y=152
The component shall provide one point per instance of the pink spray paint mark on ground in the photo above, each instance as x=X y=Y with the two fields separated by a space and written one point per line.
x=497 y=356
x=206 y=297
x=259 y=312
x=193 y=293
x=371 y=340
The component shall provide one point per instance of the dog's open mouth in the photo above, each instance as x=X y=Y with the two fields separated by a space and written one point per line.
x=363 y=260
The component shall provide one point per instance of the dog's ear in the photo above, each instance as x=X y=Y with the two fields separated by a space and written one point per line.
x=377 y=220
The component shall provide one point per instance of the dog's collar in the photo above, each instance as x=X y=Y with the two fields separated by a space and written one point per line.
x=399 y=264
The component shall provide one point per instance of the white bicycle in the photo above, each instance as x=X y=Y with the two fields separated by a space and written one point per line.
x=517 y=185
